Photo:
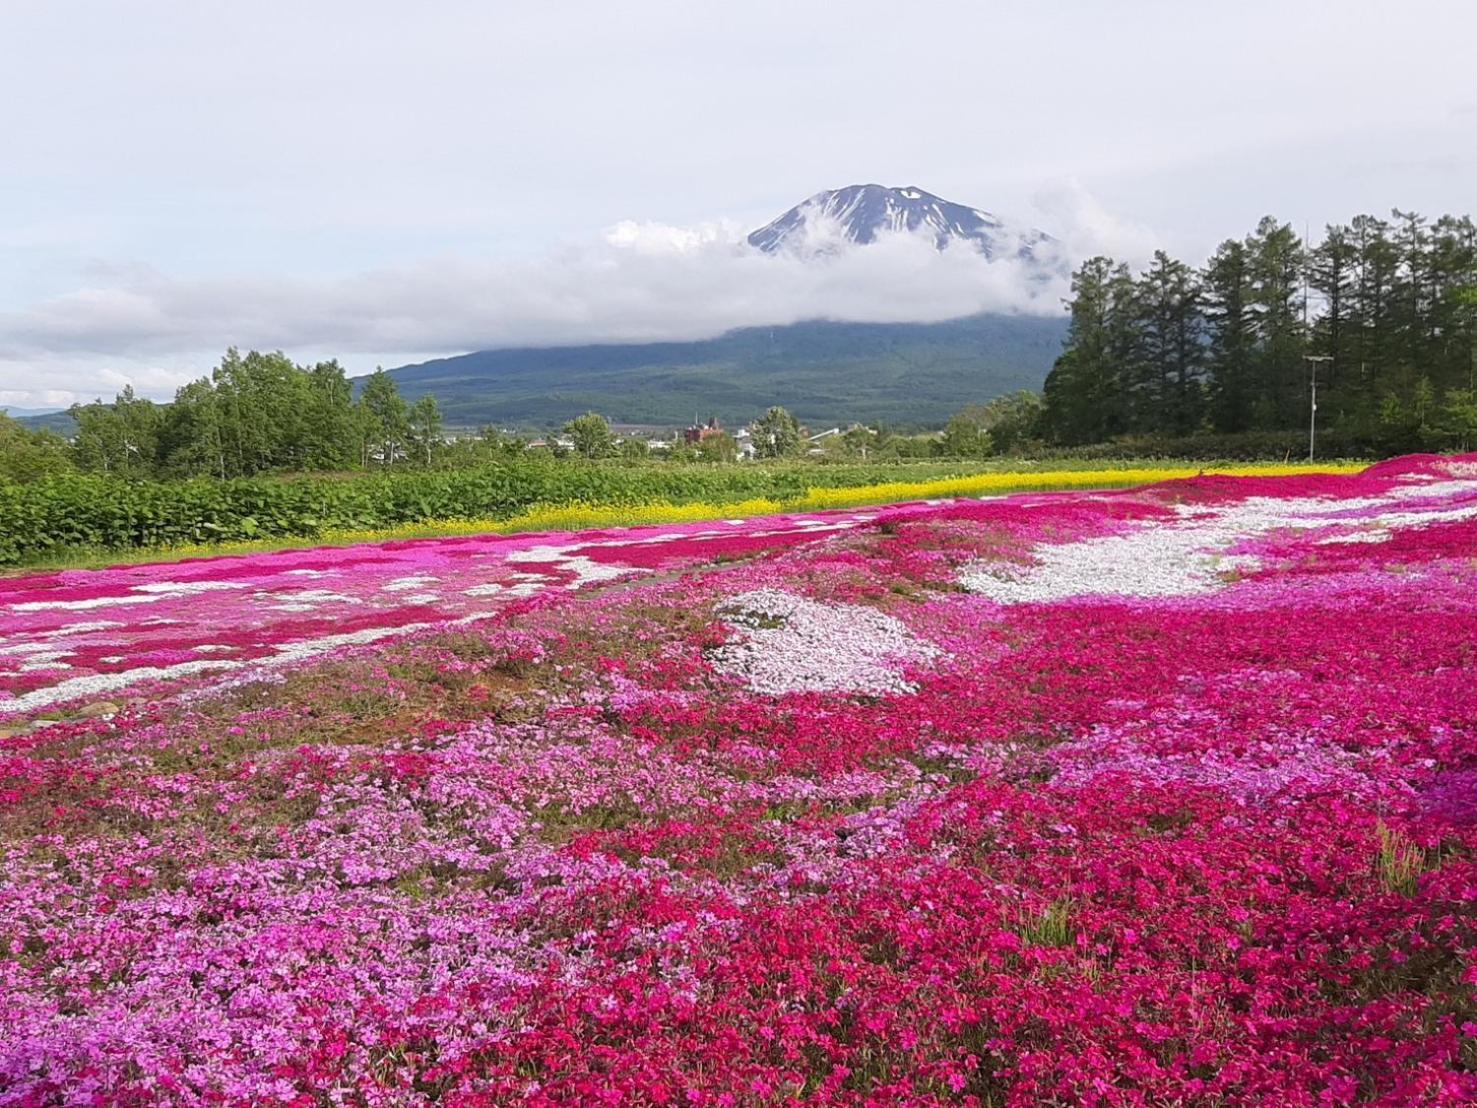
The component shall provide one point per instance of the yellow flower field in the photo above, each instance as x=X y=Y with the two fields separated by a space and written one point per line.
x=583 y=517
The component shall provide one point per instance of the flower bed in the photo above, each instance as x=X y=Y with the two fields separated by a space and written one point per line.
x=88 y=633
x=1159 y=796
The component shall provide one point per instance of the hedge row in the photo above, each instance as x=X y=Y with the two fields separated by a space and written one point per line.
x=1248 y=446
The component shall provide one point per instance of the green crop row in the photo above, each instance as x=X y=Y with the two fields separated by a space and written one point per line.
x=95 y=512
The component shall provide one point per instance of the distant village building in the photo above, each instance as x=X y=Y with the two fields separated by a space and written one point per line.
x=745 y=443
x=817 y=439
x=700 y=431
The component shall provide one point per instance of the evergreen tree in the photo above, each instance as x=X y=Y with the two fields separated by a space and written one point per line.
x=1411 y=317
x=1463 y=301
x=1170 y=398
x=1373 y=301
x=1393 y=311
x=1453 y=255
x=1087 y=390
x=1231 y=326
x=1275 y=262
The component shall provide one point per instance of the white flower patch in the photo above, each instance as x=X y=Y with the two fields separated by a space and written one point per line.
x=36 y=656
x=84 y=605
x=1177 y=559
x=1440 y=489
x=305 y=600
x=586 y=571
x=1425 y=519
x=408 y=584
x=186 y=588
x=33 y=648
x=306 y=648
x=794 y=644
x=78 y=688
x=83 y=628
x=1191 y=556
x=45 y=660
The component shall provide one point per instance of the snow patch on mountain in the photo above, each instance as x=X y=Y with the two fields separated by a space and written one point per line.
x=830 y=221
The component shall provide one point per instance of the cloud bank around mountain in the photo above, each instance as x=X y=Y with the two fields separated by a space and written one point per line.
x=637 y=282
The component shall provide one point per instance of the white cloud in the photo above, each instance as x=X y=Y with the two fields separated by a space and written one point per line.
x=1087 y=228
x=637 y=282
x=660 y=238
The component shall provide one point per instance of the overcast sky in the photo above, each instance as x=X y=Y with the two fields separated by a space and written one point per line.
x=387 y=181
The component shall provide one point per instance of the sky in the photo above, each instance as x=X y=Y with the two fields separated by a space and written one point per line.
x=384 y=182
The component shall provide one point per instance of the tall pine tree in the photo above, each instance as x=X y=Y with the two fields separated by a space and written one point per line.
x=1086 y=392
x=1172 y=328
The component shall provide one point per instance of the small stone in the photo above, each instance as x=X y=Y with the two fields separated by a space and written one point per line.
x=97 y=709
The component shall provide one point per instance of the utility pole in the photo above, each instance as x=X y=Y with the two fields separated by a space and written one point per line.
x=1313 y=360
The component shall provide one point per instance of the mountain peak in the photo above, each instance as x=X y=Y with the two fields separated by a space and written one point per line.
x=862 y=212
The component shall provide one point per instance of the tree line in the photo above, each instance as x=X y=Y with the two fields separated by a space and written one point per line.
x=976 y=431
x=256 y=413
x=260 y=413
x=1384 y=312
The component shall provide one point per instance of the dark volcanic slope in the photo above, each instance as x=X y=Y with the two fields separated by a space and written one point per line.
x=902 y=373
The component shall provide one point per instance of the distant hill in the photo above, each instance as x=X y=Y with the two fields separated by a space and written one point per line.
x=58 y=421
x=825 y=372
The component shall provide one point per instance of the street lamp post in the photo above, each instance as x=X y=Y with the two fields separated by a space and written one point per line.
x=1313 y=360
